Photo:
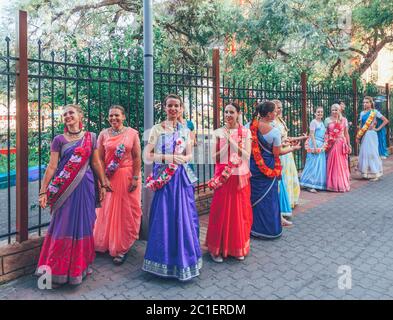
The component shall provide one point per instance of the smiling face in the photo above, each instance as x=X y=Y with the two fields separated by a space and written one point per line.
x=71 y=117
x=231 y=115
x=173 y=109
x=334 y=112
x=319 y=114
x=116 y=118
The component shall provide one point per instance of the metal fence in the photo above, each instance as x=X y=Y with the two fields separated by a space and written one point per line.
x=98 y=81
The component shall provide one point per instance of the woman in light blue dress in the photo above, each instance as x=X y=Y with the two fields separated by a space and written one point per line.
x=314 y=173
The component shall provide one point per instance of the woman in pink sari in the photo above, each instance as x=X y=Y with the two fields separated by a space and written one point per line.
x=119 y=218
x=338 y=150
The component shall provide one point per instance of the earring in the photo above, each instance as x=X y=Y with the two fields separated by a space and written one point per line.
x=65 y=129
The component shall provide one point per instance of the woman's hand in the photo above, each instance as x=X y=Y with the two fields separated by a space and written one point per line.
x=108 y=186
x=102 y=193
x=133 y=185
x=296 y=146
x=179 y=159
x=43 y=200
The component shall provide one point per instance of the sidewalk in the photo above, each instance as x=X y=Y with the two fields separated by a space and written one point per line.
x=330 y=230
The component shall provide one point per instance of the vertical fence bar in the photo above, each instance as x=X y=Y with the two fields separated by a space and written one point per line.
x=39 y=133
x=216 y=88
x=304 y=111
x=22 y=123
x=355 y=102
x=387 y=92
x=8 y=140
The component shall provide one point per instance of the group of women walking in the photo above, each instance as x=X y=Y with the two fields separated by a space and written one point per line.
x=329 y=147
x=93 y=186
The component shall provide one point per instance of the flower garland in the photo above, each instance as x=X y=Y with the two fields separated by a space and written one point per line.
x=234 y=162
x=218 y=181
x=317 y=150
x=332 y=136
x=163 y=179
x=367 y=125
x=256 y=152
x=115 y=161
x=167 y=174
x=78 y=159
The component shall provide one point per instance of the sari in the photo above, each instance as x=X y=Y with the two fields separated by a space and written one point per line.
x=230 y=217
x=173 y=248
x=289 y=186
x=264 y=195
x=337 y=169
x=119 y=218
x=382 y=140
x=370 y=163
x=68 y=248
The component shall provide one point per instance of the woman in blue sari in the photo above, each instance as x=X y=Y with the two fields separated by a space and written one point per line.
x=265 y=172
x=173 y=248
x=382 y=139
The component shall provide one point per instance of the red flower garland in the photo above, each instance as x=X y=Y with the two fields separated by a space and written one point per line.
x=78 y=159
x=256 y=152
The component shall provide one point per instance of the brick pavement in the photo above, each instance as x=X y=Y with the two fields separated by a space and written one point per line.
x=331 y=230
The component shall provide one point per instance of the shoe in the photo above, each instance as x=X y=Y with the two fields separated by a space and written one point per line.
x=217 y=259
x=374 y=179
x=119 y=259
x=383 y=158
x=241 y=258
x=312 y=190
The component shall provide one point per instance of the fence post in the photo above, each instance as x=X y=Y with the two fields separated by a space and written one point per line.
x=387 y=90
x=22 y=123
x=304 y=111
x=216 y=88
x=355 y=103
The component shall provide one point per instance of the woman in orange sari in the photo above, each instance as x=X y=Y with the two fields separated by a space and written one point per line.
x=119 y=219
x=230 y=218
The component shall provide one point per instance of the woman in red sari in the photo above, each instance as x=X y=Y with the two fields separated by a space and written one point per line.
x=230 y=217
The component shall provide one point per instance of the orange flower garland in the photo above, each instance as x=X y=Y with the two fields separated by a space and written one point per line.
x=256 y=152
x=367 y=125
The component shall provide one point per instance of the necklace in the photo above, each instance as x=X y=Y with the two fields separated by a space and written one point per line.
x=75 y=135
x=117 y=132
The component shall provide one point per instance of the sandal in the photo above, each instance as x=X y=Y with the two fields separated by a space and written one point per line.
x=119 y=259
x=286 y=223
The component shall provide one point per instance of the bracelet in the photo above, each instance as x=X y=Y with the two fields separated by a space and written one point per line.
x=41 y=194
x=104 y=186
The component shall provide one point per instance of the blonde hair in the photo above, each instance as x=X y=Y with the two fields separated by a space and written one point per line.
x=336 y=105
x=277 y=102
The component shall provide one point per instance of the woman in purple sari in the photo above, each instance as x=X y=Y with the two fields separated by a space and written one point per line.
x=68 y=248
x=173 y=248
